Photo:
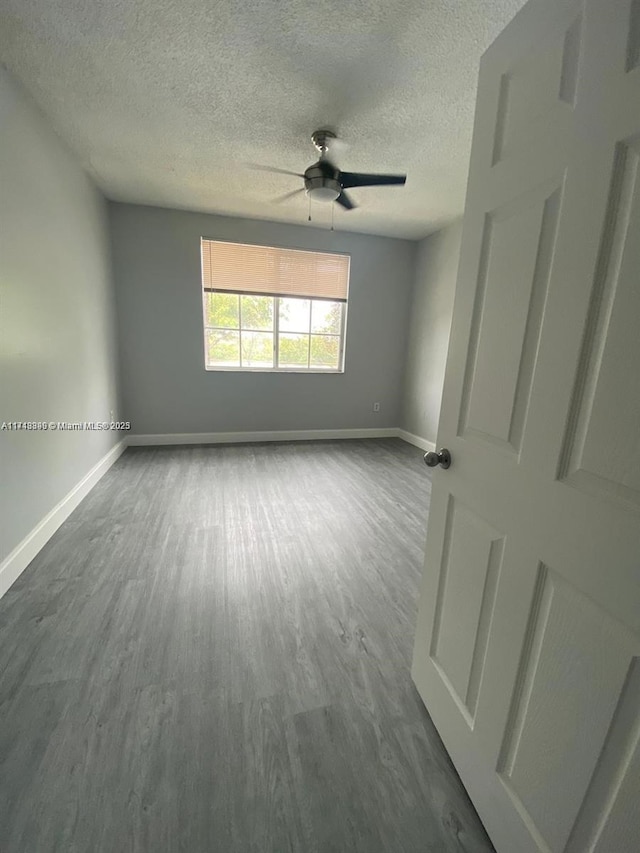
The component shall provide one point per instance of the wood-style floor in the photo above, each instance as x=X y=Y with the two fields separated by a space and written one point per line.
x=212 y=654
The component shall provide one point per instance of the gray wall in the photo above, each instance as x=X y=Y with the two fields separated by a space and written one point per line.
x=165 y=386
x=57 y=331
x=428 y=341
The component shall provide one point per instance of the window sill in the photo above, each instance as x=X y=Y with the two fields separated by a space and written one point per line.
x=303 y=370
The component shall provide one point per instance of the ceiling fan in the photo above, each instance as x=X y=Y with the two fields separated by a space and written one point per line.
x=324 y=182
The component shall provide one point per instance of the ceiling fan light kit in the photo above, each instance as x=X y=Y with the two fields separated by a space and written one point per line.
x=326 y=183
x=321 y=182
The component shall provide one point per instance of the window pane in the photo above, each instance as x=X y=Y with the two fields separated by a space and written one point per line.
x=257 y=312
x=223 y=349
x=326 y=316
x=257 y=349
x=222 y=310
x=325 y=351
x=293 y=350
x=294 y=315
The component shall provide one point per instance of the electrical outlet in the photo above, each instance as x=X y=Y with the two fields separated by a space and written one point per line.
x=376 y=407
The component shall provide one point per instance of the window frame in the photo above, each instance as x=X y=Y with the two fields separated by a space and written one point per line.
x=342 y=335
x=275 y=331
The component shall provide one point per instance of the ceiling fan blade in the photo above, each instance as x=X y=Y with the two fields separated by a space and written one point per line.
x=344 y=200
x=258 y=168
x=360 y=179
x=282 y=198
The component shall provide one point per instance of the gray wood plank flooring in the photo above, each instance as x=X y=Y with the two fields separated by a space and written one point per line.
x=212 y=654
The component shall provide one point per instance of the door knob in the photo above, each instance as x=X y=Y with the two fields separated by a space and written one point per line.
x=433 y=459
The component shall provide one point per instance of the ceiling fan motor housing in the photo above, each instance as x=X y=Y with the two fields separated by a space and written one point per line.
x=321 y=181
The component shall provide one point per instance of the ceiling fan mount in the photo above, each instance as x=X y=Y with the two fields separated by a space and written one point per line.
x=322 y=139
x=323 y=181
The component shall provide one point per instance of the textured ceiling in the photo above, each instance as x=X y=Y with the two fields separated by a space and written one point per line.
x=164 y=101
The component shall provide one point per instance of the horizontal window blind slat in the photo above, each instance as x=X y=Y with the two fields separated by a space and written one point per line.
x=262 y=293
x=271 y=271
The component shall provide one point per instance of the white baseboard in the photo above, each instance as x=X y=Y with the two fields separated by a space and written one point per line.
x=251 y=437
x=18 y=560
x=158 y=439
x=410 y=438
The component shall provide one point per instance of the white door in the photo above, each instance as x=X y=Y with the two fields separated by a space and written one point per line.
x=528 y=632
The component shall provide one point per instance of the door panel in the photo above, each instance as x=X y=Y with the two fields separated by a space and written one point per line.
x=528 y=633
x=612 y=822
x=471 y=559
x=519 y=240
x=537 y=86
x=633 y=44
x=554 y=735
x=603 y=449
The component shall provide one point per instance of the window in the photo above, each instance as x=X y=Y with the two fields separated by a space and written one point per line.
x=273 y=309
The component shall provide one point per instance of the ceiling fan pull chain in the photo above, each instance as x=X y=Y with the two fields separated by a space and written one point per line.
x=332 y=210
x=309 y=208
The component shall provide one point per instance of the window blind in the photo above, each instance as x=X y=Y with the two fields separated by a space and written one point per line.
x=270 y=271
